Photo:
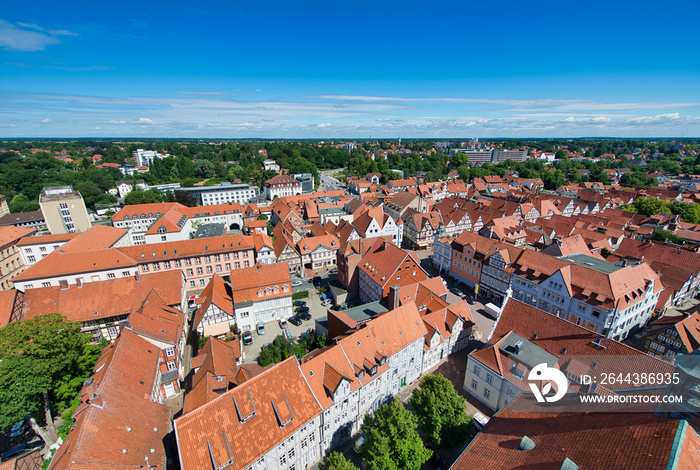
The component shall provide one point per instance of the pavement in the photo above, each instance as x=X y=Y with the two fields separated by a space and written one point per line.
x=328 y=182
x=272 y=329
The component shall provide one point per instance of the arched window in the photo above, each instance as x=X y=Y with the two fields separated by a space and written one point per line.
x=161 y=229
x=126 y=217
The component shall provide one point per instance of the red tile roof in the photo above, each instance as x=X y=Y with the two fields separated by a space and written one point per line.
x=384 y=259
x=121 y=425
x=102 y=299
x=156 y=320
x=7 y=299
x=41 y=239
x=59 y=263
x=135 y=211
x=10 y=234
x=629 y=441
x=258 y=282
x=187 y=248
x=271 y=407
x=217 y=372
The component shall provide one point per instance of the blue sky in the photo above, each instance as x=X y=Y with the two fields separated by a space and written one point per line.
x=315 y=69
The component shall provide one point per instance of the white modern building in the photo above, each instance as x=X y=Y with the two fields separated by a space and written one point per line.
x=226 y=193
x=146 y=157
x=261 y=293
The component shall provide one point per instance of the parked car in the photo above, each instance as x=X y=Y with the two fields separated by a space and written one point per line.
x=283 y=324
x=457 y=292
x=261 y=328
x=21 y=449
x=247 y=338
x=470 y=300
x=316 y=279
x=479 y=420
x=304 y=315
x=358 y=443
x=301 y=309
x=299 y=303
x=437 y=461
x=296 y=283
x=296 y=321
x=18 y=429
x=325 y=302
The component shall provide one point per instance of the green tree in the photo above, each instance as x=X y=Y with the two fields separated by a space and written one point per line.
x=392 y=442
x=440 y=410
x=204 y=169
x=138 y=196
x=43 y=364
x=336 y=461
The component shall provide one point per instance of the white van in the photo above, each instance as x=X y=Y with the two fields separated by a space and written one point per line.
x=492 y=310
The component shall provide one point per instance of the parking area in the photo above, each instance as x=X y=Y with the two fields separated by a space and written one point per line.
x=272 y=329
x=27 y=437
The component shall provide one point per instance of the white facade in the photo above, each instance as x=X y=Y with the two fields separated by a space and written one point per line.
x=291 y=188
x=33 y=253
x=77 y=278
x=249 y=314
x=229 y=194
x=349 y=409
x=298 y=451
x=551 y=296
x=265 y=255
x=215 y=322
x=125 y=187
x=439 y=347
x=488 y=386
x=146 y=157
x=442 y=253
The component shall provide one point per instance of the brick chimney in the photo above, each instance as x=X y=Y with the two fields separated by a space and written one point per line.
x=393 y=297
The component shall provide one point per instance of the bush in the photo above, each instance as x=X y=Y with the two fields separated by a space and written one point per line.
x=302 y=294
x=281 y=348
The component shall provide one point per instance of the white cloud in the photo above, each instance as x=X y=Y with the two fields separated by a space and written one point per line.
x=214 y=115
x=46 y=120
x=30 y=26
x=61 y=32
x=13 y=38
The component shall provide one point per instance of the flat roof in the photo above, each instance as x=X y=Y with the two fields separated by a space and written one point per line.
x=599 y=265
x=364 y=312
x=529 y=354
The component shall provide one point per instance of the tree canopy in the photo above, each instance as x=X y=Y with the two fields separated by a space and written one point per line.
x=440 y=410
x=336 y=461
x=391 y=441
x=44 y=362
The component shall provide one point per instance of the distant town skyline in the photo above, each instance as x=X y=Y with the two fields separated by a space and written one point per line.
x=352 y=70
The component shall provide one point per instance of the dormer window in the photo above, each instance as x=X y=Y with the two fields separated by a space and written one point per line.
x=373 y=371
x=361 y=374
x=260 y=292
